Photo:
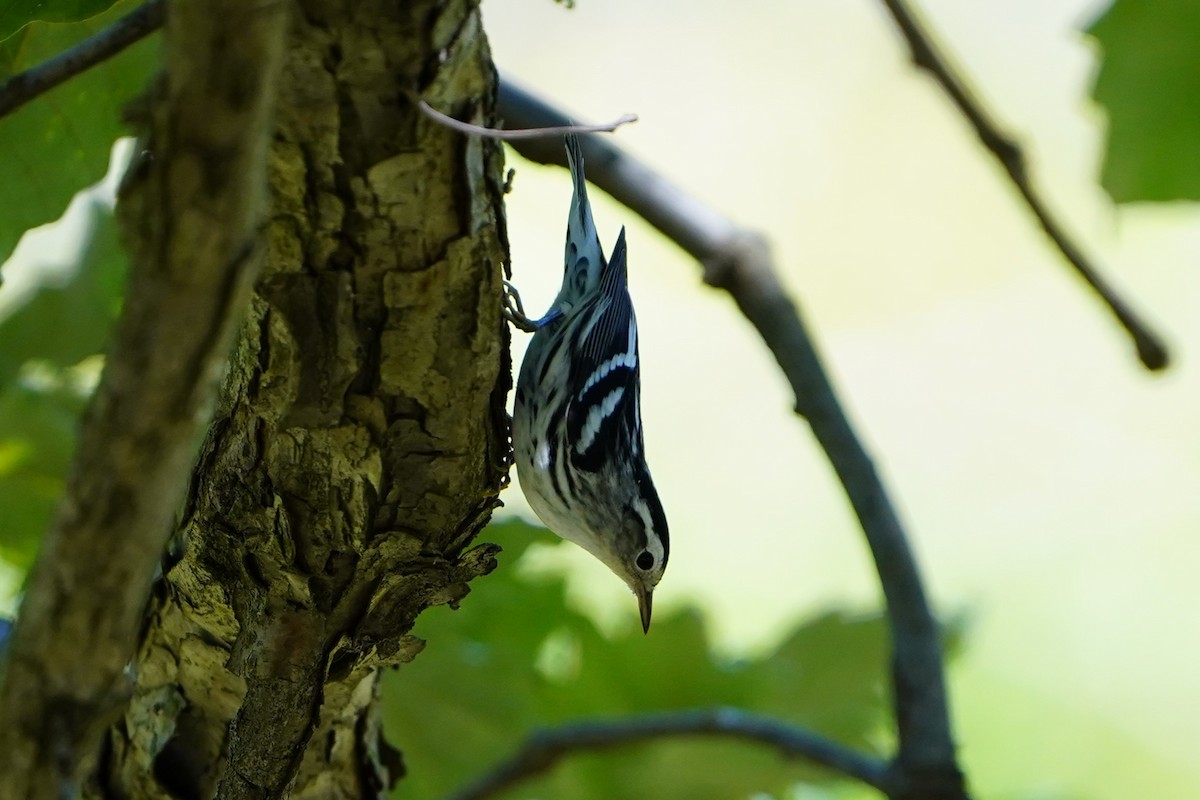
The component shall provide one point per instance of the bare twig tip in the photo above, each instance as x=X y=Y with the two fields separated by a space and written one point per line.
x=1152 y=353
x=1008 y=151
x=523 y=133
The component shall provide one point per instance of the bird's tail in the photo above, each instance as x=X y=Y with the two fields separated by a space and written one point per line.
x=584 y=262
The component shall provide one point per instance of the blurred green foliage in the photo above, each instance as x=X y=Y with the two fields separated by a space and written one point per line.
x=37 y=438
x=55 y=146
x=60 y=142
x=1149 y=82
x=516 y=657
x=63 y=324
x=42 y=393
x=15 y=14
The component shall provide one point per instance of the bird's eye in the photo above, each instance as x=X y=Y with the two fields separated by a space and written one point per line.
x=644 y=560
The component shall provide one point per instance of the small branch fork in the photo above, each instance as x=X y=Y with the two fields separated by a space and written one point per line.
x=542 y=750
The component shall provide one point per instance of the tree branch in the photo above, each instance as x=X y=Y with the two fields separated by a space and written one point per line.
x=360 y=440
x=133 y=27
x=1152 y=352
x=542 y=750
x=1150 y=348
x=739 y=262
x=195 y=212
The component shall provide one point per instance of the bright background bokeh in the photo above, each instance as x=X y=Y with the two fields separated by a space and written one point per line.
x=1049 y=484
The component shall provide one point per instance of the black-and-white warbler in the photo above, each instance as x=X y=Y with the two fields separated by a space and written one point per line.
x=577 y=423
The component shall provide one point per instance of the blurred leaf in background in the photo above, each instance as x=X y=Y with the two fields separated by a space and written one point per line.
x=66 y=320
x=15 y=14
x=37 y=437
x=60 y=142
x=1149 y=82
x=55 y=146
x=44 y=385
x=516 y=657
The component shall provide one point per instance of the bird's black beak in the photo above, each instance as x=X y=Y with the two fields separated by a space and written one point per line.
x=644 y=597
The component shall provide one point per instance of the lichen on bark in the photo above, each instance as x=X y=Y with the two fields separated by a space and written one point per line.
x=360 y=441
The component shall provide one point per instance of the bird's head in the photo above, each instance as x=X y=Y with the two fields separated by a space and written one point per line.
x=637 y=548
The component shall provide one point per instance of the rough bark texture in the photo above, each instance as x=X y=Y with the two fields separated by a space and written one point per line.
x=194 y=263
x=360 y=442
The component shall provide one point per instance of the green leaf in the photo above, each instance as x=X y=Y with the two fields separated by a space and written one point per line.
x=37 y=438
x=62 y=325
x=1149 y=82
x=39 y=414
x=15 y=14
x=830 y=673
x=516 y=657
x=60 y=142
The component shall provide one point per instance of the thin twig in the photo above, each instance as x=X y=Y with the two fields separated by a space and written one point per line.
x=544 y=749
x=133 y=27
x=740 y=262
x=129 y=29
x=510 y=134
x=1150 y=348
x=1152 y=352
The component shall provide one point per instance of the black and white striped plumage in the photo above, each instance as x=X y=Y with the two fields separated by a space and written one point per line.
x=577 y=427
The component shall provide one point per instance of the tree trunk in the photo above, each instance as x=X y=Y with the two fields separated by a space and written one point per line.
x=360 y=442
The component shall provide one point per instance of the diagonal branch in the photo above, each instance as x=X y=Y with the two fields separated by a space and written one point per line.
x=133 y=27
x=1150 y=348
x=739 y=262
x=194 y=214
x=542 y=750
x=22 y=88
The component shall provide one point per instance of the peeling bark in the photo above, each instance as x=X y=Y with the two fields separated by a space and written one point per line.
x=360 y=442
